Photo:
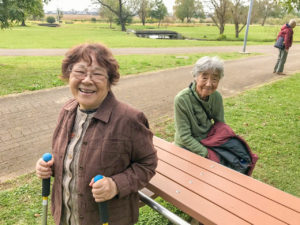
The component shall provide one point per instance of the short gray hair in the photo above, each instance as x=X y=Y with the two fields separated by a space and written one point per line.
x=208 y=63
x=292 y=22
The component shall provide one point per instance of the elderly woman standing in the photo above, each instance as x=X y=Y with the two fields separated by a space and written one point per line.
x=196 y=105
x=287 y=33
x=97 y=134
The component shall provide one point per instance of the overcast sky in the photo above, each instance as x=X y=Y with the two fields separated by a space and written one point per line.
x=80 y=5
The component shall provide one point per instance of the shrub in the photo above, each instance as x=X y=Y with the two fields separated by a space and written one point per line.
x=50 y=19
x=93 y=19
x=221 y=37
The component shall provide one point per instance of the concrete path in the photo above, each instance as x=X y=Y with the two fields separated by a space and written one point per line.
x=27 y=120
x=130 y=51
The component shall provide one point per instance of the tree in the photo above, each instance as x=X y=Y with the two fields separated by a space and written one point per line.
x=144 y=10
x=290 y=5
x=220 y=13
x=18 y=10
x=239 y=15
x=185 y=9
x=59 y=15
x=8 y=13
x=159 y=11
x=124 y=10
x=199 y=12
x=108 y=14
x=29 y=7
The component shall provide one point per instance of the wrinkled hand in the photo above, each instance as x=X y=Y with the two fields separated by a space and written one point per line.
x=43 y=169
x=104 y=189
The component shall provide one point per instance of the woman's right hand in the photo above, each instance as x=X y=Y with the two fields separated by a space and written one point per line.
x=43 y=169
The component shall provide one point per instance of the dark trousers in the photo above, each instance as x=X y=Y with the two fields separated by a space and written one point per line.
x=280 y=61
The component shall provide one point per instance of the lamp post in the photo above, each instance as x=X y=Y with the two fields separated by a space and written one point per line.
x=247 y=28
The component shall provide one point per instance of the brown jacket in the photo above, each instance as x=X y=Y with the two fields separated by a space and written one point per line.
x=117 y=144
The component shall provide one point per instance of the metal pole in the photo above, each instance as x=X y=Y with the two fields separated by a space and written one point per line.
x=45 y=191
x=248 y=22
x=162 y=210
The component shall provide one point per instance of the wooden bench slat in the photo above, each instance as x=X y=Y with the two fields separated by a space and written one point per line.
x=260 y=188
x=232 y=195
x=191 y=203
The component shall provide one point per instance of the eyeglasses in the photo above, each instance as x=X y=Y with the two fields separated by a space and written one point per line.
x=81 y=74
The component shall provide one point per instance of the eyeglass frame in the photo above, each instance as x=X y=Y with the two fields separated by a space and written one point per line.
x=81 y=76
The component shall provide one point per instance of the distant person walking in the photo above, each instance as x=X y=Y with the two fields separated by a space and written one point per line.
x=287 y=33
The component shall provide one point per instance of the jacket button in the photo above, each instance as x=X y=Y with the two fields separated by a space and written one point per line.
x=84 y=143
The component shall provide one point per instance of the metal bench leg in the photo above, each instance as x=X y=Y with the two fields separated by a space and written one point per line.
x=162 y=210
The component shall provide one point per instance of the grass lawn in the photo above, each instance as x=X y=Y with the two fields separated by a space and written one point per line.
x=267 y=117
x=29 y=73
x=67 y=35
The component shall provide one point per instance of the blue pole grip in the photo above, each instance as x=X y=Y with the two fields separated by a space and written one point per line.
x=102 y=206
x=46 y=182
x=47 y=157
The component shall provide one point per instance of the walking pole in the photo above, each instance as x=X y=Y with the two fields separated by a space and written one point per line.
x=45 y=191
x=102 y=206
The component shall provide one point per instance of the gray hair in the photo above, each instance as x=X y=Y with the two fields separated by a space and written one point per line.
x=292 y=23
x=208 y=63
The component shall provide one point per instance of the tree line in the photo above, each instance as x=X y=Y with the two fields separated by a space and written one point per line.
x=122 y=11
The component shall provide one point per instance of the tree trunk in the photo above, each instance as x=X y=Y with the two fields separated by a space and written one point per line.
x=236 y=25
x=222 y=28
x=264 y=20
x=123 y=25
x=23 y=23
x=121 y=16
x=143 y=21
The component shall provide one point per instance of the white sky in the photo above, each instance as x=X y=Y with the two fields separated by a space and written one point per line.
x=80 y=5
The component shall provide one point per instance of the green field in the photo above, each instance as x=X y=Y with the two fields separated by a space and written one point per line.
x=68 y=35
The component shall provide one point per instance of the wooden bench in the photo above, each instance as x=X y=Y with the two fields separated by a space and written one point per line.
x=214 y=194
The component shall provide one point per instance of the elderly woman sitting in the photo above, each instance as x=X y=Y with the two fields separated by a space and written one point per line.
x=199 y=104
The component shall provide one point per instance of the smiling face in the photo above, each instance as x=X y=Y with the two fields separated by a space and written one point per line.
x=89 y=84
x=206 y=83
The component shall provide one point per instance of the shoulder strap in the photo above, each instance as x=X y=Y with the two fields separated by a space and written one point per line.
x=207 y=114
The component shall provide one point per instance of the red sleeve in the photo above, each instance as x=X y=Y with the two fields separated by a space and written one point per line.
x=288 y=39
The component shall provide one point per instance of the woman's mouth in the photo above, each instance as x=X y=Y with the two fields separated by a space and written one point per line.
x=86 y=91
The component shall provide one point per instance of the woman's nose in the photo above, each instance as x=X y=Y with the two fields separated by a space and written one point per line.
x=208 y=82
x=88 y=77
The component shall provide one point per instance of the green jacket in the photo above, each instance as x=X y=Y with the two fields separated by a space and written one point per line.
x=191 y=122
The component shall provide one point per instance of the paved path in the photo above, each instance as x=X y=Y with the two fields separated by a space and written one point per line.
x=130 y=51
x=27 y=120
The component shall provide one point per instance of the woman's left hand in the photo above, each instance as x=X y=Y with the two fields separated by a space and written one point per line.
x=104 y=189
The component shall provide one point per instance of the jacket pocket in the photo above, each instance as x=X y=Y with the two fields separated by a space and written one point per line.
x=115 y=155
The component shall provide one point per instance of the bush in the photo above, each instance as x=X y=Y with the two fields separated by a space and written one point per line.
x=221 y=37
x=50 y=19
x=93 y=19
